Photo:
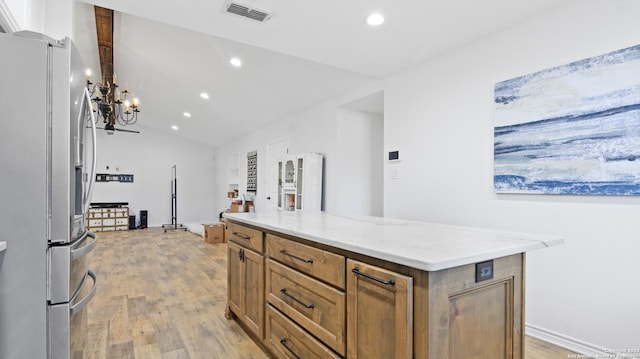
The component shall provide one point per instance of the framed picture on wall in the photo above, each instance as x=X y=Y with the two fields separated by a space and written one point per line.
x=571 y=129
x=252 y=171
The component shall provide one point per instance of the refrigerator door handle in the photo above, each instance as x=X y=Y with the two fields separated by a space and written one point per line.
x=92 y=179
x=74 y=309
x=84 y=250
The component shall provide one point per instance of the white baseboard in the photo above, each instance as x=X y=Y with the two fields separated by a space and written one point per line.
x=587 y=350
x=196 y=228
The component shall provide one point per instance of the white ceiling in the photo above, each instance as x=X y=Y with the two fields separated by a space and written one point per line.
x=307 y=53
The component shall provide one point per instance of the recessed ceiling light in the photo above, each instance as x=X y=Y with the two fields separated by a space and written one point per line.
x=174 y=127
x=236 y=62
x=187 y=114
x=204 y=95
x=375 y=19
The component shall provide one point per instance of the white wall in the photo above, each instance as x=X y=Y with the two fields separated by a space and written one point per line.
x=439 y=115
x=149 y=156
x=359 y=163
x=314 y=130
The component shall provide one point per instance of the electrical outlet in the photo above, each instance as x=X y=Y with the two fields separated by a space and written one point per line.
x=394 y=155
x=484 y=271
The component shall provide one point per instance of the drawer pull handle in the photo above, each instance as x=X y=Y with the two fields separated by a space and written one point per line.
x=243 y=236
x=356 y=271
x=296 y=257
x=308 y=306
x=284 y=342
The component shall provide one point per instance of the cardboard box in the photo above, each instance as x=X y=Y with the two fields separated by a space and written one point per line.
x=236 y=208
x=214 y=233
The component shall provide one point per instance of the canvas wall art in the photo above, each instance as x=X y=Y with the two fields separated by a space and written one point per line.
x=572 y=129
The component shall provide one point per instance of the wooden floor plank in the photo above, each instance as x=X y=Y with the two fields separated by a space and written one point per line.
x=162 y=296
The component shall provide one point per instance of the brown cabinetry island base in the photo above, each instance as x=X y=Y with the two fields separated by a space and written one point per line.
x=306 y=296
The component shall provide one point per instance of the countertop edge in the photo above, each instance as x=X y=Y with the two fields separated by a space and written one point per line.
x=528 y=245
x=3 y=246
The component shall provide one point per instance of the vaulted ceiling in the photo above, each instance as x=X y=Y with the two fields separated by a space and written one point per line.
x=307 y=53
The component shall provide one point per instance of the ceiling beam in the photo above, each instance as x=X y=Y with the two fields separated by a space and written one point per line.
x=104 y=30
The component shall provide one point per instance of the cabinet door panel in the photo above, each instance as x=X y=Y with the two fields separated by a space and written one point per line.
x=485 y=310
x=379 y=312
x=254 y=292
x=235 y=279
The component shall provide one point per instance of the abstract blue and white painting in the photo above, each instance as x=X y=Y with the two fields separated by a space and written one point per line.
x=572 y=129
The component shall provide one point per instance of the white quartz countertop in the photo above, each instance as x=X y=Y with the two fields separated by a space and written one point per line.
x=421 y=245
x=3 y=246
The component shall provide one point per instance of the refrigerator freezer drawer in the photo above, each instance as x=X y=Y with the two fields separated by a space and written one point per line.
x=68 y=267
x=67 y=323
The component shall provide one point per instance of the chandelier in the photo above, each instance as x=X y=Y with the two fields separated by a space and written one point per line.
x=111 y=104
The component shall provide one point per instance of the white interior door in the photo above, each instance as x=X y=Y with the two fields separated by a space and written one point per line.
x=275 y=150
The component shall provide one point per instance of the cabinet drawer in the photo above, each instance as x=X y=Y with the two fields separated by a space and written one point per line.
x=95 y=223
x=245 y=236
x=315 y=306
x=122 y=221
x=318 y=263
x=109 y=222
x=287 y=340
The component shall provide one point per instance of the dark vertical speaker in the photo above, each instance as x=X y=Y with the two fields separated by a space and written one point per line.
x=143 y=219
x=132 y=222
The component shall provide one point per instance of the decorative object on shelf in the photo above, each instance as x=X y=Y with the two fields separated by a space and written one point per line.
x=572 y=129
x=112 y=105
x=252 y=171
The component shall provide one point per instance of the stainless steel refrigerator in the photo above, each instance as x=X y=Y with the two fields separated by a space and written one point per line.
x=47 y=158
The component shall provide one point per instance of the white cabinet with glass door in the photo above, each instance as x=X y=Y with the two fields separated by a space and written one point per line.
x=300 y=182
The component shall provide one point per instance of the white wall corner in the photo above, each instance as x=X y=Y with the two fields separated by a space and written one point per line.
x=587 y=349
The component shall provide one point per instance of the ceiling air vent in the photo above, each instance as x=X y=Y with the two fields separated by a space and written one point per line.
x=247 y=11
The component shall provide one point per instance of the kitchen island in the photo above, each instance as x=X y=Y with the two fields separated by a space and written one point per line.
x=323 y=285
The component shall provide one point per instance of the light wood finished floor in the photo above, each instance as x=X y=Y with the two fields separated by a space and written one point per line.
x=162 y=295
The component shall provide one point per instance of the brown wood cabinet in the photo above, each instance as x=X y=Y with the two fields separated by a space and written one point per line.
x=321 y=264
x=380 y=312
x=318 y=301
x=246 y=286
x=286 y=339
x=317 y=307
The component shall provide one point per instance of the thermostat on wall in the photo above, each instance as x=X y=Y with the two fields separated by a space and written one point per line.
x=394 y=155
